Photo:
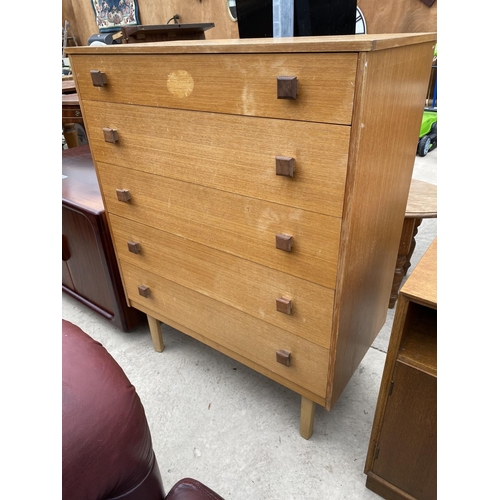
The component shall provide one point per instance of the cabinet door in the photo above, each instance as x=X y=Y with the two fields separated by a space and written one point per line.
x=84 y=263
x=407 y=444
x=66 y=275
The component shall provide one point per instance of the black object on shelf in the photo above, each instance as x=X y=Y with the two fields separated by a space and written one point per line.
x=106 y=38
x=311 y=17
x=255 y=18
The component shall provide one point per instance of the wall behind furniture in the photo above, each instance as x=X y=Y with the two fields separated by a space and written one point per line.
x=399 y=16
x=80 y=15
x=382 y=16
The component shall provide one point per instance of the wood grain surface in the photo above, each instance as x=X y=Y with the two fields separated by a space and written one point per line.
x=386 y=124
x=248 y=287
x=422 y=200
x=199 y=126
x=309 y=44
x=80 y=188
x=391 y=16
x=248 y=83
x=229 y=153
x=407 y=455
x=407 y=463
x=398 y=16
x=419 y=347
x=253 y=339
x=82 y=17
x=421 y=285
x=235 y=224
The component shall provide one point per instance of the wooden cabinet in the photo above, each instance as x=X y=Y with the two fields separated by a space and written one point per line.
x=89 y=268
x=402 y=456
x=256 y=191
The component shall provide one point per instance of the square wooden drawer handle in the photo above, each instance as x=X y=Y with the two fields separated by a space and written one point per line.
x=110 y=135
x=288 y=87
x=285 y=165
x=283 y=357
x=123 y=195
x=134 y=247
x=284 y=242
x=99 y=79
x=284 y=305
x=145 y=291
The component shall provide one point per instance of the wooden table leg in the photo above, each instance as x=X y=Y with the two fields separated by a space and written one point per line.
x=406 y=248
x=307 y=412
x=407 y=264
x=70 y=135
x=156 y=336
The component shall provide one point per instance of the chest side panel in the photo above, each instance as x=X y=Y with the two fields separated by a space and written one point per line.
x=390 y=98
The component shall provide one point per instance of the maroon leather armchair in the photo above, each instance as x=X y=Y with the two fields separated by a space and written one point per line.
x=107 y=451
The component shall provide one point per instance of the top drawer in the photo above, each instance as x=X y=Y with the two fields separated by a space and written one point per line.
x=242 y=84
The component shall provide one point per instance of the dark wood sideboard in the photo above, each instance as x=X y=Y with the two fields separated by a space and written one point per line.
x=89 y=267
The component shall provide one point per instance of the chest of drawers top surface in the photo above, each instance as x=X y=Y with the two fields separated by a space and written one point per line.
x=342 y=43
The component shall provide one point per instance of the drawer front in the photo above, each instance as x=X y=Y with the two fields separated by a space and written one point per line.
x=236 y=282
x=249 y=228
x=242 y=84
x=241 y=333
x=229 y=153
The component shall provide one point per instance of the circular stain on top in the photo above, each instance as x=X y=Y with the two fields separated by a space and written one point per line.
x=180 y=83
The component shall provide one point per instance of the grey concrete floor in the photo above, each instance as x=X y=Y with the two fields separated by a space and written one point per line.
x=215 y=420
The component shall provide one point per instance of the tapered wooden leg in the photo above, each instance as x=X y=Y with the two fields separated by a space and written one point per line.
x=156 y=336
x=307 y=411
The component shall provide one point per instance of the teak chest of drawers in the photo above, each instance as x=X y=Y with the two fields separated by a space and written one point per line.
x=256 y=190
